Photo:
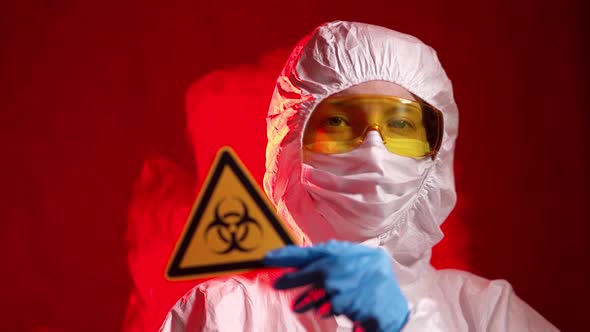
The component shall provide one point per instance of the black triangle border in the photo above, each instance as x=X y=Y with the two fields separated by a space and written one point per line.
x=226 y=159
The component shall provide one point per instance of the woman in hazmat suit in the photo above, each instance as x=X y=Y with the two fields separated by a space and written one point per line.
x=361 y=134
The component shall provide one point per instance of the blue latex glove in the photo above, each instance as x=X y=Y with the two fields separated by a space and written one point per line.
x=349 y=279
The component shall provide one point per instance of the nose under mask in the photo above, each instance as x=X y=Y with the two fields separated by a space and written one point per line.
x=362 y=193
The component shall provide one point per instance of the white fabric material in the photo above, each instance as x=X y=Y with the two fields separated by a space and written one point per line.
x=336 y=56
x=359 y=194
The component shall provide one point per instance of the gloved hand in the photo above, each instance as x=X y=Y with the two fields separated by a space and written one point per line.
x=345 y=278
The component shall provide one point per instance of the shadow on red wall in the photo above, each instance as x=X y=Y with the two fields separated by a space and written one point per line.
x=223 y=108
x=91 y=89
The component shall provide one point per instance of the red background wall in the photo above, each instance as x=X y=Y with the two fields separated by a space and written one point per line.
x=90 y=89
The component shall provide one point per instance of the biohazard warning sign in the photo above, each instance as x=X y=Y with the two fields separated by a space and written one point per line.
x=231 y=227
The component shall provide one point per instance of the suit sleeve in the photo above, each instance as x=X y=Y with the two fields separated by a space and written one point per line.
x=508 y=312
x=188 y=314
x=216 y=305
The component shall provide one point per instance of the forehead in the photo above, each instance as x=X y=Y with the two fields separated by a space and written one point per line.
x=377 y=88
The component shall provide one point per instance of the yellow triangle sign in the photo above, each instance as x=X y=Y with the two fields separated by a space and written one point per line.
x=231 y=227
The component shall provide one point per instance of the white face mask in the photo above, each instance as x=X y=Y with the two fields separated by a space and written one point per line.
x=362 y=193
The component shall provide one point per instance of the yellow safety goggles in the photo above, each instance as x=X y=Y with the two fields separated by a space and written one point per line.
x=408 y=128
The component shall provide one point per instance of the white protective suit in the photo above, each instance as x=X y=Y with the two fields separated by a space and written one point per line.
x=332 y=58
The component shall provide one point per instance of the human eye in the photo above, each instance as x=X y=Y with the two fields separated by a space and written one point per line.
x=336 y=121
x=400 y=124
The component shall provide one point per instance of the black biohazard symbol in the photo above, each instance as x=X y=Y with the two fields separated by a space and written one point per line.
x=224 y=233
x=233 y=225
